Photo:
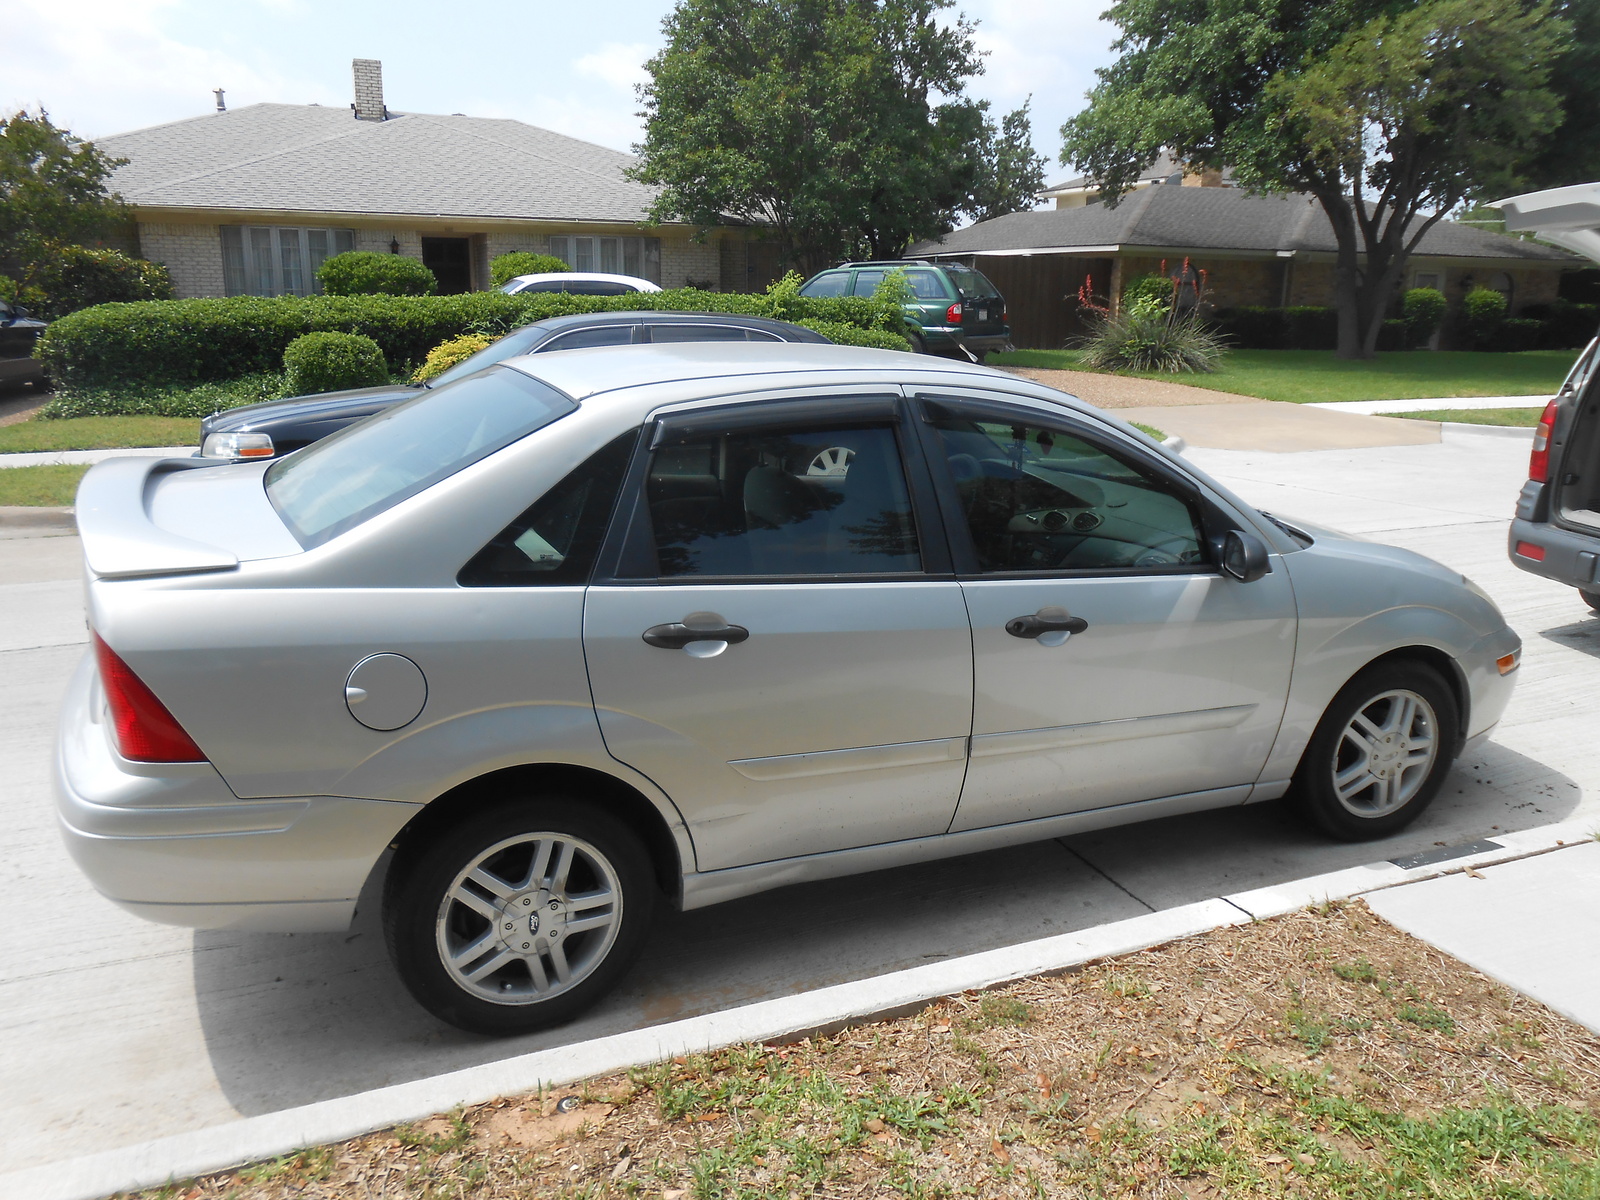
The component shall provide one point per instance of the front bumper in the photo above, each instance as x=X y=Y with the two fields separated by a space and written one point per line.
x=171 y=842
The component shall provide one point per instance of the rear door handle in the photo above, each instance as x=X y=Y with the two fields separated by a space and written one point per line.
x=1048 y=620
x=677 y=635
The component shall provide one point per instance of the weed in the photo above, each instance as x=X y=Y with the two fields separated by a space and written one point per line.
x=459 y=1135
x=1429 y=1016
x=303 y=1166
x=1128 y=986
x=998 y=1009
x=1310 y=1030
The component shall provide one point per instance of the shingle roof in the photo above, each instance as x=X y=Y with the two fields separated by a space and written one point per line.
x=1202 y=218
x=307 y=158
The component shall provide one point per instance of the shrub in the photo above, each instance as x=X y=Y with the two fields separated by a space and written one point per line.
x=1394 y=334
x=1567 y=325
x=1152 y=285
x=330 y=362
x=75 y=277
x=1482 y=311
x=1423 y=310
x=1308 y=327
x=447 y=354
x=854 y=335
x=163 y=400
x=1147 y=336
x=505 y=267
x=364 y=273
x=192 y=341
x=1252 y=327
x=1514 y=334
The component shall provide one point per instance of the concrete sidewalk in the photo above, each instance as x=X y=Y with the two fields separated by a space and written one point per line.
x=1379 y=407
x=1533 y=924
x=1274 y=426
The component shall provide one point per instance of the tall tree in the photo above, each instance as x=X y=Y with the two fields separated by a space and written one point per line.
x=52 y=190
x=842 y=124
x=1388 y=112
x=1573 y=155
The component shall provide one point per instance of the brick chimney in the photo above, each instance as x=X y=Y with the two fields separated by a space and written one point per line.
x=369 y=89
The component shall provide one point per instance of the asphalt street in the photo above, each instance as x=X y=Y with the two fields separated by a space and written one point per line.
x=114 y=1031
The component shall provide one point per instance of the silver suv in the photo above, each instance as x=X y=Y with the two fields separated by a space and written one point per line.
x=586 y=633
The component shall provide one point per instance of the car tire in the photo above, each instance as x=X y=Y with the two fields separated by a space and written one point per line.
x=478 y=917
x=1592 y=599
x=918 y=345
x=1354 y=781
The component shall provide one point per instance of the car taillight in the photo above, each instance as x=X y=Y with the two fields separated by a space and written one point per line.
x=952 y=315
x=145 y=731
x=1539 y=459
x=1005 y=315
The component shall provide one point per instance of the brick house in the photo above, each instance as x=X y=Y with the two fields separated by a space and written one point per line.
x=250 y=201
x=1255 y=250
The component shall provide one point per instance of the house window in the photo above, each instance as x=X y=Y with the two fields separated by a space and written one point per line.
x=260 y=260
x=1428 y=279
x=636 y=256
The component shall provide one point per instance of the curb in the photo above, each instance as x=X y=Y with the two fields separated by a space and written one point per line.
x=66 y=458
x=53 y=519
x=1525 y=432
x=1377 y=408
x=220 y=1147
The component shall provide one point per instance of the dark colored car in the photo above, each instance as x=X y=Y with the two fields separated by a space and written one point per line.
x=19 y=331
x=1556 y=532
x=279 y=426
x=953 y=308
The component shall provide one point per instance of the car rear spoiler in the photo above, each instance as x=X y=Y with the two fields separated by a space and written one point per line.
x=1567 y=216
x=119 y=539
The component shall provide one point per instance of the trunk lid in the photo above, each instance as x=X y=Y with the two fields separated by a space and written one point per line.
x=141 y=517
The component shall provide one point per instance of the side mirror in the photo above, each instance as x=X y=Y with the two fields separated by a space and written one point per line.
x=18 y=312
x=1244 y=556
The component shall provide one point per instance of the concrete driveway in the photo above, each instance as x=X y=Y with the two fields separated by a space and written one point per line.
x=114 y=1031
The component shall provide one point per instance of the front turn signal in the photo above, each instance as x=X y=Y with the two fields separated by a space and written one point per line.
x=1509 y=663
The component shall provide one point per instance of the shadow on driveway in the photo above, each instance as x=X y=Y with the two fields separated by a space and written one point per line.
x=290 y=1019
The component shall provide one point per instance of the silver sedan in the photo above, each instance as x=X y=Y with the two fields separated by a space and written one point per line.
x=587 y=633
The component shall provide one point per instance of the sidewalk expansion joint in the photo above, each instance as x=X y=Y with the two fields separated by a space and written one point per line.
x=1114 y=883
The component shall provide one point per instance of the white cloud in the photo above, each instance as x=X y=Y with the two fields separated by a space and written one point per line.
x=106 y=66
x=617 y=64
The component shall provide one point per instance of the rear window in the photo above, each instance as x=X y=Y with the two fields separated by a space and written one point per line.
x=517 y=342
x=971 y=284
x=334 y=485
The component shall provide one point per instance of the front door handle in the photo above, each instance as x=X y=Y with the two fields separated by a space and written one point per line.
x=1051 y=625
x=677 y=635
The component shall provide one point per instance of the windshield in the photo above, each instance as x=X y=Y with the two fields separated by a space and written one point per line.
x=334 y=485
x=518 y=341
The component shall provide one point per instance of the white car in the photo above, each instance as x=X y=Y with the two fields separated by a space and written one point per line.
x=579 y=283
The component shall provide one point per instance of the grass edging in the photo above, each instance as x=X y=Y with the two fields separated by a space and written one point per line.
x=1323 y=1053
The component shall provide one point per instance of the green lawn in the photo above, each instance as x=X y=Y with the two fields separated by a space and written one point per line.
x=1304 y=376
x=1524 y=417
x=39 y=487
x=98 y=433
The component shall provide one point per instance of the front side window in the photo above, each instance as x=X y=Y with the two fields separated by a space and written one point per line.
x=1039 y=497
x=795 y=500
x=867 y=282
x=337 y=483
x=636 y=256
x=259 y=260
x=823 y=286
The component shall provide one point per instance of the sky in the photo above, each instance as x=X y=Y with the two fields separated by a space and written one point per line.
x=107 y=66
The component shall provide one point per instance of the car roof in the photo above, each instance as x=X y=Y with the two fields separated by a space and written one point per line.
x=661 y=316
x=582 y=374
x=585 y=277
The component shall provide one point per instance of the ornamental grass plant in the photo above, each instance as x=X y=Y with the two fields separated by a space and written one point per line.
x=1150 y=332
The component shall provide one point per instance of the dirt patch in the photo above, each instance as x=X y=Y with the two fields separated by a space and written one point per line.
x=1323 y=1054
x=1118 y=391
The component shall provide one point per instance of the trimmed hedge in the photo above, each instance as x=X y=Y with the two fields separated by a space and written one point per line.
x=367 y=273
x=503 y=268
x=1301 y=327
x=331 y=362
x=79 y=277
x=164 y=400
x=195 y=341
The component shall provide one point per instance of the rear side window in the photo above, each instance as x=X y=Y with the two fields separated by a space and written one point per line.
x=555 y=541
x=831 y=284
x=867 y=282
x=926 y=285
x=334 y=485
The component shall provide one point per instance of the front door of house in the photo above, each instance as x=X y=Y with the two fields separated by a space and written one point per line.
x=450 y=260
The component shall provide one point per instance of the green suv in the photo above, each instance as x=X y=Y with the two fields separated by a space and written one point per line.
x=952 y=307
